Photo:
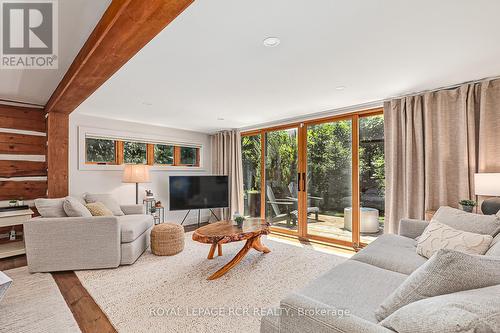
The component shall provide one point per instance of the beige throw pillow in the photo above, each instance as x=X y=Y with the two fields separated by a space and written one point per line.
x=440 y=236
x=476 y=310
x=476 y=223
x=107 y=200
x=50 y=207
x=445 y=272
x=75 y=208
x=98 y=209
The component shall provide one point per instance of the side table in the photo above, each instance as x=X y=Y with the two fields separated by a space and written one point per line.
x=12 y=218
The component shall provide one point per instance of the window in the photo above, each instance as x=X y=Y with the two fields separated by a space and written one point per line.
x=134 y=153
x=100 y=151
x=164 y=154
x=188 y=156
x=107 y=151
x=251 y=154
x=321 y=179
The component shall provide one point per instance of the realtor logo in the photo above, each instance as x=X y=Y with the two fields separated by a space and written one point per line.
x=29 y=34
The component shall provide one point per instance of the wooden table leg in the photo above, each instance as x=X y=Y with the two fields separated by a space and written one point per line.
x=250 y=243
x=219 y=250
x=212 y=251
x=257 y=245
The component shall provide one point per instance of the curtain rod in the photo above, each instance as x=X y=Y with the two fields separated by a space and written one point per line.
x=356 y=107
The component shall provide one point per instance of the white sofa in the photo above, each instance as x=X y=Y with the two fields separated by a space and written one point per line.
x=363 y=282
x=76 y=243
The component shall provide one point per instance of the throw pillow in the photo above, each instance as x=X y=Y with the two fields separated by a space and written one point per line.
x=445 y=272
x=494 y=249
x=98 y=209
x=50 y=207
x=107 y=200
x=440 y=236
x=476 y=310
x=476 y=223
x=75 y=208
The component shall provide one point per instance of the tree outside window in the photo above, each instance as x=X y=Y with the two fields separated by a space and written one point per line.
x=164 y=154
x=134 y=152
x=189 y=155
x=100 y=150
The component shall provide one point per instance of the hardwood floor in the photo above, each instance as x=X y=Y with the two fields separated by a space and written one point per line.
x=87 y=313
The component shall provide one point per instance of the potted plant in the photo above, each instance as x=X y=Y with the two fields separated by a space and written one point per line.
x=467 y=205
x=12 y=203
x=239 y=220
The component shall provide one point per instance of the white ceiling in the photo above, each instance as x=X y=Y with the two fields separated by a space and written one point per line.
x=210 y=62
x=77 y=19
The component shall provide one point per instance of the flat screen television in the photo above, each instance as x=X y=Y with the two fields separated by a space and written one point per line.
x=198 y=192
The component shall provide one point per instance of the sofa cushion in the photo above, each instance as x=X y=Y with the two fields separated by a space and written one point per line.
x=74 y=208
x=476 y=223
x=445 y=272
x=476 y=310
x=355 y=286
x=106 y=199
x=132 y=226
x=50 y=207
x=494 y=249
x=98 y=209
x=440 y=236
x=392 y=252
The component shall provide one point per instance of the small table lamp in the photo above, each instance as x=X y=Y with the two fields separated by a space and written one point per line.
x=136 y=173
x=488 y=184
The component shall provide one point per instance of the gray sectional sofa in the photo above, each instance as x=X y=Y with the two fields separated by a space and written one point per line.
x=346 y=298
x=75 y=243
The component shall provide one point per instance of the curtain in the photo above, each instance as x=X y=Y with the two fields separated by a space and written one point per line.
x=434 y=143
x=226 y=160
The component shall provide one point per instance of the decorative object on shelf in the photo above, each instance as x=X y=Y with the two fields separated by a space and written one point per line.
x=13 y=203
x=467 y=205
x=136 y=173
x=158 y=204
x=488 y=184
x=238 y=219
x=149 y=195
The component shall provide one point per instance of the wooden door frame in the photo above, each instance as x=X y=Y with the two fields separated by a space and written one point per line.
x=302 y=167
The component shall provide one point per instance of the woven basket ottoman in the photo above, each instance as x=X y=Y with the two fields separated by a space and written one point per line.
x=167 y=239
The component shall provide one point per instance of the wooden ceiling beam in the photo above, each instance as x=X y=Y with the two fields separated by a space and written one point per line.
x=125 y=28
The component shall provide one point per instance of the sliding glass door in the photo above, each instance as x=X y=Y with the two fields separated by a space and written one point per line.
x=329 y=180
x=281 y=168
x=321 y=179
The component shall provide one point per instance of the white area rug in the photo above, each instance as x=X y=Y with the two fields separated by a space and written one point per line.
x=172 y=294
x=33 y=303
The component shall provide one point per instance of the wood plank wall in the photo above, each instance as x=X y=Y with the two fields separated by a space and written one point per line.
x=23 y=149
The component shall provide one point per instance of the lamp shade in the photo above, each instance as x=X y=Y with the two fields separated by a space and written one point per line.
x=136 y=173
x=487 y=184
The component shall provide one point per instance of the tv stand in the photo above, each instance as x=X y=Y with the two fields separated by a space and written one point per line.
x=199 y=212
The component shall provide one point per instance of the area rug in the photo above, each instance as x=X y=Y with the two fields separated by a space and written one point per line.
x=33 y=303
x=172 y=294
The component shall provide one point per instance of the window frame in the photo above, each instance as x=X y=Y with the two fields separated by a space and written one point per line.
x=149 y=140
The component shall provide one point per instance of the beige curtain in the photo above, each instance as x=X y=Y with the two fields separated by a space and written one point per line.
x=226 y=160
x=434 y=143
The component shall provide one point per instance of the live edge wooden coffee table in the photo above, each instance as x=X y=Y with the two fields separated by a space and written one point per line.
x=225 y=232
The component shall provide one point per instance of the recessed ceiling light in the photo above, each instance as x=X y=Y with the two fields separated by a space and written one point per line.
x=271 y=41
x=220 y=118
x=147 y=103
x=340 y=88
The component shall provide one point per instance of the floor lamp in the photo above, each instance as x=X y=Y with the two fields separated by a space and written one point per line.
x=136 y=173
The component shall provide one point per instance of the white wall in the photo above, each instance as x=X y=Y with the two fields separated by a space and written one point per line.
x=109 y=181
